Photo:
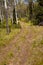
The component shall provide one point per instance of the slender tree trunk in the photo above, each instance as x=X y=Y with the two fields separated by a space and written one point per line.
x=30 y=9
x=6 y=17
x=14 y=16
x=15 y=19
x=7 y=26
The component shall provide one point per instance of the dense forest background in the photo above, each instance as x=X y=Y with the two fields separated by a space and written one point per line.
x=18 y=9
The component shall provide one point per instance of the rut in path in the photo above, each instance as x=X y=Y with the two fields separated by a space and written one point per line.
x=21 y=47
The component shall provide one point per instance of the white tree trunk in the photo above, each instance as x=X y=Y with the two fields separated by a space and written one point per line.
x=16 y=11
x=6 y=16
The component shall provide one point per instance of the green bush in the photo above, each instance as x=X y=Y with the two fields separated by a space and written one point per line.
x=25 y=19
x=37 y=13
x=35 y=22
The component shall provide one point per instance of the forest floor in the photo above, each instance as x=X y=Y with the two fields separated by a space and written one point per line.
x=26 y=48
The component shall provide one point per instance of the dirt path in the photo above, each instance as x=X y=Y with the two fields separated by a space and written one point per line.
x=19 y=51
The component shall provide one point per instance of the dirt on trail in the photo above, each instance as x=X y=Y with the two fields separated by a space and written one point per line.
x=20 y=51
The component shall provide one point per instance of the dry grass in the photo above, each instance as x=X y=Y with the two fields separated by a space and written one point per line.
x=26 y=48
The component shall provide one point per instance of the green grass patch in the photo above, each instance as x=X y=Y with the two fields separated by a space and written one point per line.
x=4 y=38
x=37 y=44
x=10 y=54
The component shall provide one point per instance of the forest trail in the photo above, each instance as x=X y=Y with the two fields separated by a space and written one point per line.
x=20 y=51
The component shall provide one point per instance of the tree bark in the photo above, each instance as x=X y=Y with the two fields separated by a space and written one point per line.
x=6 y=17
x=14 y=16
x=30 y=9
x=7 y=26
